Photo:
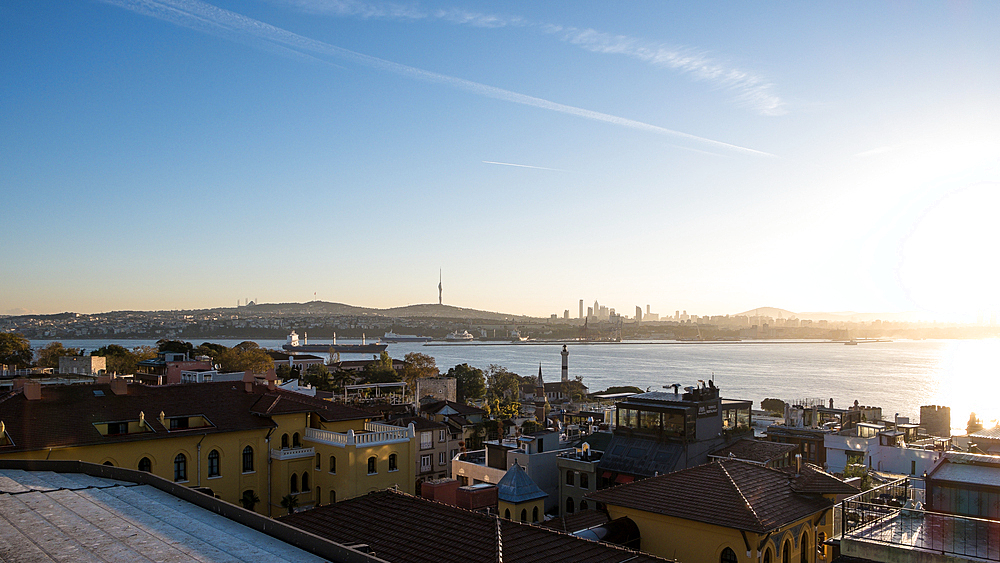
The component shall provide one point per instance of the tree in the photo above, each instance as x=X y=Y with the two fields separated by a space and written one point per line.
x=620 y=389
x=122 y=360
x=15 y=350
x=502 y=392
x=180 y=347
x=249 y=500
x=380 y=371
x=290 y=502
x=48 y=357
x=776 y=406
x=418 y=366
x=242 y=357
x=318 y=376
x=339 y=378
x=470 y=383
x=576 y=390
x=284 y=372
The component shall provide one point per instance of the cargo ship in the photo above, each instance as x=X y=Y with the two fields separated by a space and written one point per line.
x=293 y=345
x=393 y=337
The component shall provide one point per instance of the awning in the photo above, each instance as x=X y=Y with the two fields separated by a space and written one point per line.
x=606 y=475
x=624 y=479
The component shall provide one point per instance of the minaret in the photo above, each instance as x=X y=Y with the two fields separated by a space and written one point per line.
x=541 y=401
x=565 y=364
x=439 y=288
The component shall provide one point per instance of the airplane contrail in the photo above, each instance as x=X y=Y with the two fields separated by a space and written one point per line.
x=208 y=18
x=523 y=166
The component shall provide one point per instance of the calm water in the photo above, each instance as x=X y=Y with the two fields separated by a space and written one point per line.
x=898 y=376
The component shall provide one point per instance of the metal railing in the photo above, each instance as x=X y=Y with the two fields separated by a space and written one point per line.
x=889 y=515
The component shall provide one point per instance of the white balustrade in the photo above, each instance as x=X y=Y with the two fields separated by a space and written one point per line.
x=376 y=434
x=292 y=453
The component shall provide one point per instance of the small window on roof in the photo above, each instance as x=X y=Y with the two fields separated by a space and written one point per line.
x=98 y=393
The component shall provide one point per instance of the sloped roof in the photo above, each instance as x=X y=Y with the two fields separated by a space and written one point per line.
x=66 y=414
x=760 y=451
x=460 y=408
x=987 y=433
x=401 y=527
x=516 y=486
x=730 y=493
x=637 y=455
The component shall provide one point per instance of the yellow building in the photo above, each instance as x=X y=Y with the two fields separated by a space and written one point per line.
x=242 y=440
x=519 y=498
x=731 y=511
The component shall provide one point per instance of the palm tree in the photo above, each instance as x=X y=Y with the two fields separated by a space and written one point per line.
x=290 y=502
x=249 y=500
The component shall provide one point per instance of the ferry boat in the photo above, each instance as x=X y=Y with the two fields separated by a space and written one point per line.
x=456 y=336
x=393 y=337
x=293 y=345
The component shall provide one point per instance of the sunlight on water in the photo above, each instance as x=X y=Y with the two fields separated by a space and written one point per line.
x=970 y=382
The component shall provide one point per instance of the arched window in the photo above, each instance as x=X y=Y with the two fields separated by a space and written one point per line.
x=767 y=555
x=333 y=464
x=584 y=480
x=569 y=477
x=534 y=514
x=108 y=463
x=821 y=545
x=293 y=484
x=284 y=441
x=728 y=556
x=506 y=513
x=319 y=462
x=333 y=496
x=569 y=505
x=247 y=459
x=583 y=505
x=319 y=496
x=786 y=552
x=213 y=463
x=180 y=468
x=392 y=462
x=524 y=515
x=804 y=548
x=145 y=465
x=371 y=465
x=305 y=481
x=295 y=441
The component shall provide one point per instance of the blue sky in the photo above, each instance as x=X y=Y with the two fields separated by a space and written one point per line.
x=712 y=158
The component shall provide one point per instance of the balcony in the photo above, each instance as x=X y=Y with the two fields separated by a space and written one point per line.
x=292 y=453
x=375 y=434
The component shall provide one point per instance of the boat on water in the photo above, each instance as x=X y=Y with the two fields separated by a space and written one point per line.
x=293 y=345
x=393 y=337
x=456 y=336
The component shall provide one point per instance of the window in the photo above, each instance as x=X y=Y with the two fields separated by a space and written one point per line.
x=506 y=513
x=534 y=514
x=584 y=481
x=392 y=463
x=913 y=467
x=442 y=435
x=305 y=482
x=213 y=463
x=804 y=548
x=247 y=459
x=583 y=505
x=767 y=555
x=179 y=423
x=786 y=552
x=371 y=465
x=569 y=478
x=284 y=441
x=425 y=462
x=180 y=468
x=117 y=428
x=295 y=441
x=569 y=505
x=108 y=463
x=728 y=556
x=426 y=440
x=454 y=453
x=333 y=464
x=293 y=483
x=333 y=496
x=524 y=515
x=319 y=462
x=145 y=465
x=441 y=458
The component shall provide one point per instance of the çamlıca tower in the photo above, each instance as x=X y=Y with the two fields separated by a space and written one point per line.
x=439 y=288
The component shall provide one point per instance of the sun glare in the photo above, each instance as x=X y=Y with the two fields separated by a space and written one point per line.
x=970 y=380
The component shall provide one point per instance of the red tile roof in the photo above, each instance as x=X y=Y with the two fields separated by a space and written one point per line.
x=66 y=414
x=400 y=527
x=730 y=493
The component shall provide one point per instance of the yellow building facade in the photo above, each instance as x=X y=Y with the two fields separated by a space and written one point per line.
x=242 y=441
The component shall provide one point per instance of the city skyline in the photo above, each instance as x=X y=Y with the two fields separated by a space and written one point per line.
x=179 y=154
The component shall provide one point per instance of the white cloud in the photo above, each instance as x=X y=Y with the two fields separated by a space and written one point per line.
x=212 y=19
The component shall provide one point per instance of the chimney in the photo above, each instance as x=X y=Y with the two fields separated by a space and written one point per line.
x=248 y=381
x=270 y=376
x=32 y=390
x=103 y=379
x=119 y=386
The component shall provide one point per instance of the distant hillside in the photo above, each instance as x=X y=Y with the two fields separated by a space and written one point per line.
x=772 y=312
x=840 y=316
x=428 y=310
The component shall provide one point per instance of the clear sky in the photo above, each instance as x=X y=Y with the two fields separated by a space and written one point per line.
x=708 y=157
